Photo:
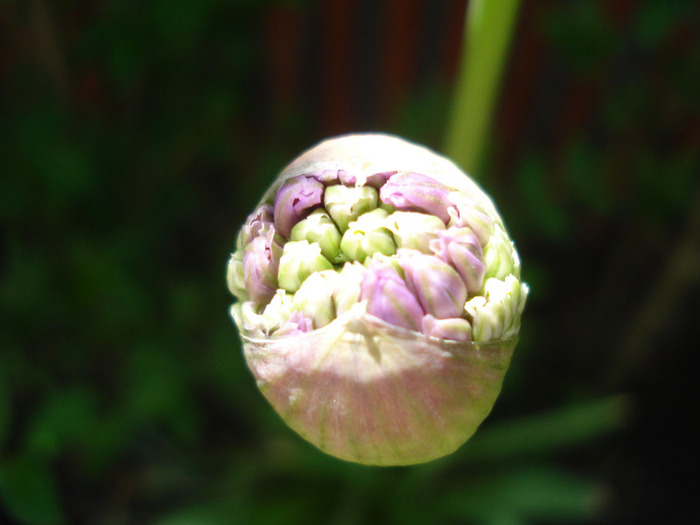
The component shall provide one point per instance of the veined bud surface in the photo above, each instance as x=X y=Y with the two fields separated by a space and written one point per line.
x=378 y=300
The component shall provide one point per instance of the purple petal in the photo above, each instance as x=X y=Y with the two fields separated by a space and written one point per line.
x=461 y=248
x=294 y=200
x=438 y=287
x=260 y=264
x=416 y=192
x=389 y=299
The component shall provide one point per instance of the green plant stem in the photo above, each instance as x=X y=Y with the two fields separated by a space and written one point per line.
x=488 y=28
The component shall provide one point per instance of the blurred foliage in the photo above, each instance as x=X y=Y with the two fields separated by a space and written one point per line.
x=136 y=136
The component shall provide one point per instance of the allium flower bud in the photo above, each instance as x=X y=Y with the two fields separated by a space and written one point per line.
x=294 y=200
x=455 y=328
x=415 y=191
x=261 y=258
x=345 y=204
x=414 y=230
x=299 y=260
x=378 y=300
x=348 y=293
x=318 y=227
x=460 y=248
x=389 y=298
x=500 y=257
x=439 y=288
x=314 y=298
x=367 y=236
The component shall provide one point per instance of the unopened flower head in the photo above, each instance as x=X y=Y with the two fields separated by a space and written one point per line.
x=374 y=265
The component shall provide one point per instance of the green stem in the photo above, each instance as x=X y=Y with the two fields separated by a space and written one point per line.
x=488 y=28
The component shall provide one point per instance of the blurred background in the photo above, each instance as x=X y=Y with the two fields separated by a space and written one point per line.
x=135 y=136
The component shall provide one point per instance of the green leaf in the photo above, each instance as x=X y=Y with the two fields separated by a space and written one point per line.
x=520 y=495
x=544 y=433
x=29 y=491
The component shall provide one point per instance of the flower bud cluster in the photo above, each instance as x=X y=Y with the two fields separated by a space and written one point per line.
x=417 y=253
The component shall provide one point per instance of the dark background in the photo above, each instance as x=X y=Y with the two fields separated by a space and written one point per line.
x=136 y=136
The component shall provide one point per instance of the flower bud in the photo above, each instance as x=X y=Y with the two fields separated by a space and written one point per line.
x=438 y=287
x=454 y=329
x=389 y=299
x=345 y=204
x=500 y=257
x=318 y=227
x=367 y=236
x=465 y=211
x=299 y=260
x=297 y=324
x=294 y=200
x=235 y=276
x=496 y=315
x=418 y=192
x=398 y=356
x=414 y=230
x=278 y=311
x=348 y=293
x=314 y=298
x=260 y=262
x=256 y=224
x=460 y=248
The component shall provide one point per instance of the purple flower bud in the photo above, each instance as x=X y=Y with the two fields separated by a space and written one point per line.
x=460 y=248
x=256 y=223
x=388 y=297
x=261 y=258
x=295 y=325
x=465 y=212
x=456 y=329
x=438 y=287
x=294 y=200
x=416 y=192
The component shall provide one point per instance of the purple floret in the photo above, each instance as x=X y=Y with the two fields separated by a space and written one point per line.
x=438 y=287
x=389 y=299
x=260 y=265
x=460 y=248
x=295 y=200
x=416 y=192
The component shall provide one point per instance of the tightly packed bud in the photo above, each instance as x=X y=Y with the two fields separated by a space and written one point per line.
x=379 y=300
x=345 y=204
x=294 y=200
x=367 y=236
x=415 y=191
x=389 y=298
x=438 y=287
x=414 y=231
x=299 y=260
x=319 y=228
